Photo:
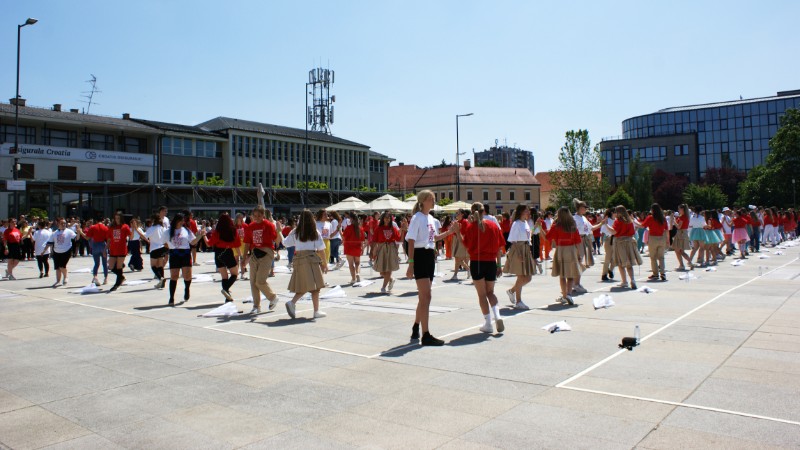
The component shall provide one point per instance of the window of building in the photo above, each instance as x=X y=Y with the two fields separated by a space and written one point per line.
x=205 y=149
x=511 y=195
x=166 y=176
x=67 y=173
x=60 y=138
x=134 y=144
x=486 y=196
x=527 y=196
x=141 y=176
x=450 y=195
x=27 y=135
x=469 y=196
x=105 y=174
x=97 y=141
x=26 y=171
x=498 y=195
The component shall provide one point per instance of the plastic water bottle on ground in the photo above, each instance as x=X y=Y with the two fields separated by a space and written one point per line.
x=636 y=334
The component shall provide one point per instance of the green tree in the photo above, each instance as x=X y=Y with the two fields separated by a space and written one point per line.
x=771 y=184
x=364 y=188
x=640 y=184
x=709 y=196
x=620 y=198
x=409 y=195
x=579 y=167
x=312 y=185
x=489 y=163
x=37 y=212
x=444 y=201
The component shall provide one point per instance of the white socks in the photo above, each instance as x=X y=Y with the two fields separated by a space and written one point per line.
x=488 y=318
x=495 y=311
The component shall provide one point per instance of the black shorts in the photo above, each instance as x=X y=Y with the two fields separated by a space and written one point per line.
x=159 y=253
x=224 y=258
x=14 y=251
x=179 y=259
x=424 y=263
x=483 y=270
x=60 y=260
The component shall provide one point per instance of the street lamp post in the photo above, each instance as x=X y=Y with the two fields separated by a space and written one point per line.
x=30 y=21
x=458 y=154
x=305 y=170
x=794 y=194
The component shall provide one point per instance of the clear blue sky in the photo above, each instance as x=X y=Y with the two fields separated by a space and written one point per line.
x=528 y=70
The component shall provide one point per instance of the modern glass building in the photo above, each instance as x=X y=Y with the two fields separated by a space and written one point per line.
x=688 y=140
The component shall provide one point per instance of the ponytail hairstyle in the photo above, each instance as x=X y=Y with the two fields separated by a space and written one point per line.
x=422 y=197
x=622 y=214
x=658 y=213
x=355 y=222
x=307 y=227
x=517 y=215
x=565 y=221
x=578 y=204
x=683 y=209
x=477 y=215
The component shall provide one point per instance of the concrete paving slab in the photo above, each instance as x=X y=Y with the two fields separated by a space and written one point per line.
x=35 y=427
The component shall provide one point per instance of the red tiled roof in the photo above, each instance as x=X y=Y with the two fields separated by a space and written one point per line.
x=410 y=177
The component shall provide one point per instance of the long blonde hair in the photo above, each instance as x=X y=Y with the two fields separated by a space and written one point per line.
x=477 y=214
x=565 y=221
x=622 y=214
x=422 y=196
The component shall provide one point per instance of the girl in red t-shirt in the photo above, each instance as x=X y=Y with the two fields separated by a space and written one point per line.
x=656 y=225
x=680 y=243
x=740 y=236
x=118 y=235
x=564 y=237
x=223 y=240
x=353 y=238
x=484 y=241
x=460 y=253
x=240 y=253
x=624 y=248
x=385 y=238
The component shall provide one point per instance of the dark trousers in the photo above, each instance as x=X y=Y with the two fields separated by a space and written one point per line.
x=43 y=263
x=135 y=249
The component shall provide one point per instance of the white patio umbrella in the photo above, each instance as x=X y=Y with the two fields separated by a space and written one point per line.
x=388 y=203
x=348 y=204
x=455 y=206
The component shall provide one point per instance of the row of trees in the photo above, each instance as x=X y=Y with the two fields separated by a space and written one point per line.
x=772 y=183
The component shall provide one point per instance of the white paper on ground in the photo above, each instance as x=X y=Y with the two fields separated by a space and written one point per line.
x=711 y=269
x=763 y=256
x=202 y=278
x=90 y=289
x=364 y=283
x=438 y=275
x=249 y=298
x=81 y=270
x=557 y=326
x=688 y=276
x=227 y=310
x=603 y=301
x=135 y=282
x=737 y=263
x=778 y=253
x=647 y=290
x=334 y=292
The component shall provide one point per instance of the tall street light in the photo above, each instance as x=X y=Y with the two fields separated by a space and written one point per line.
x=30 y=21
x=458 y=155
x=305 y=169
x=794 y=194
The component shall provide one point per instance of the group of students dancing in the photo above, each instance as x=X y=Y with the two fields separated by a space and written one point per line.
x=479 y=245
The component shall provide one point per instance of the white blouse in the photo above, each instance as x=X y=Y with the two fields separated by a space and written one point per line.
x=292 y=241
x=520 y=232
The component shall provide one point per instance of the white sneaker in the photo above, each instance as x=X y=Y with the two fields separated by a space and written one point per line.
x=95 y=281
x=383 y=290
x=512 y=297
x=391 y=285
x=163 y=283
x=319 y=314
x=521 y=306
x=290 y=308
x=255 y=311
x=487 y=328
x=579 y=289
x=358 y=278
x=11 y=277
x=273 y=303
x=500 y=325
x=570 y=300
x=56 y=284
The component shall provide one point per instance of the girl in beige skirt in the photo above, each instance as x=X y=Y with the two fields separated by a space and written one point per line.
x=625 y=252
x=680 y=243
x=309 y=263
x=384 y=245
x=519 y=260
x=460 y=253
x=566 y=262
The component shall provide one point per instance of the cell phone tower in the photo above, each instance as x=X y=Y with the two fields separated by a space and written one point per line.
x=320 y=113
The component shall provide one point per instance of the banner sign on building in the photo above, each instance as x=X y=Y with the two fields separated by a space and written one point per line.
x=76 y=154
x=15 y=185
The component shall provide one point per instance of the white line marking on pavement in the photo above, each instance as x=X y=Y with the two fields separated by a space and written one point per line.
x=684 y=405
x=614 y=355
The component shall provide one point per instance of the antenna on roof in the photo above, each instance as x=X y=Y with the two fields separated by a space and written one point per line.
x=320 y=113
x=89 y=95
x=740 y=97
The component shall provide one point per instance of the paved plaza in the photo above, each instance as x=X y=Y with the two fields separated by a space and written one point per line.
x=718 y=365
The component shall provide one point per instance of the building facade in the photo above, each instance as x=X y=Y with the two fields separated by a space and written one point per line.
x=506 y=156
x=86 y=165
x=500 y=189
x=688 y=140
